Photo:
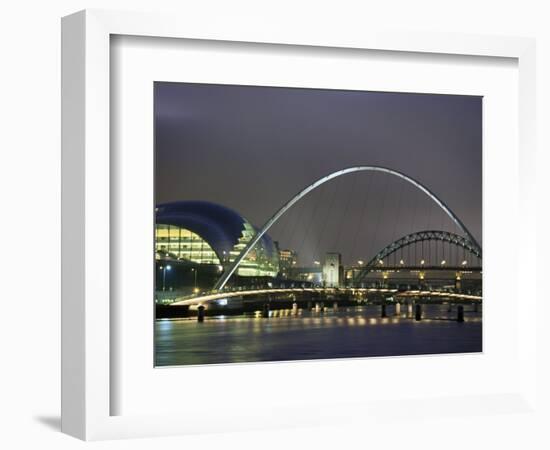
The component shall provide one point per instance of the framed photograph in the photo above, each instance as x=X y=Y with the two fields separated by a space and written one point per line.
x=251 y=218
x=351 y=244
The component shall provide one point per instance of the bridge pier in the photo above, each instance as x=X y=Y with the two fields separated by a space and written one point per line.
x=201 y=313
x=317 y=307
x=335 y=306
x=460 y=313
x=418 y=312
x=409 y=309
x=295 y=309
x=383 y=310
x=397 y=309
x=265 y=311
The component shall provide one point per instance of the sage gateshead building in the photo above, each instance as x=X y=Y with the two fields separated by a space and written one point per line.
x=205 y=233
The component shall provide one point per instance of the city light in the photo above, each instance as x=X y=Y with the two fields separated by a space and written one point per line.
x=464 y=262
x=380 y=262
x=443 y=262
x=164 y=269
x=422 y=262
x=317 y=263
x=401 y=262
x=360 y=262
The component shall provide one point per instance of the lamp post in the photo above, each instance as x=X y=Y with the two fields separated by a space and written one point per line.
x=353 y=274
x=195 y=285
x=164 y=269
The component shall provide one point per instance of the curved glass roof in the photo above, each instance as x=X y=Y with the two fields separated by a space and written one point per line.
x=221 y=227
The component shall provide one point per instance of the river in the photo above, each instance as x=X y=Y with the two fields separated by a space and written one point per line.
x=345 y=333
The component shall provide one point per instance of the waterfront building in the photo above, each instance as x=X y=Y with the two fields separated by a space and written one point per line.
x=288 y=260
x=206 y=233
x=333 y=271
x=310 y=275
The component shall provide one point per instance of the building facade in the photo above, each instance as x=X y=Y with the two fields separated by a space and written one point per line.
x=288 y=259
x=205 y=233
x=333 y=271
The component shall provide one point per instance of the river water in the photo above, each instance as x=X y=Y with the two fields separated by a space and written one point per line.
x=346 y=333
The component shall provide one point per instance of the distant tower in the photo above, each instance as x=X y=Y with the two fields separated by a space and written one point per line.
x=332 y=270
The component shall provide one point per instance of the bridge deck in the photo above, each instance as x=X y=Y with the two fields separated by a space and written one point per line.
x=210 y=297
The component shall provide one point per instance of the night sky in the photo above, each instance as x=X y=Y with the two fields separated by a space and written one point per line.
x=252 y=148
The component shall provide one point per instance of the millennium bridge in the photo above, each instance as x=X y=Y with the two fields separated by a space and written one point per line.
x=215 y=296
x=389 y=260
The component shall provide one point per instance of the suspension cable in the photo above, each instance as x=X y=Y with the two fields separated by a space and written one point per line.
x=311 y=220
x=359 y=228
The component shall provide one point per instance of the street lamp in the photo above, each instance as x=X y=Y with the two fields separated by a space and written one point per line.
x=164 y=269
x=195 y=270
x=317 y=263
x=360 y=262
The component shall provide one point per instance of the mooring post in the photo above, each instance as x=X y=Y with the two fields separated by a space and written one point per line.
x=460 y=313
x=201 y=313
x=418 y=312
x=265 y=311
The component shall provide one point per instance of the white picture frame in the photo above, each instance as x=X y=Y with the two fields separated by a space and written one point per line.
x=86 y=198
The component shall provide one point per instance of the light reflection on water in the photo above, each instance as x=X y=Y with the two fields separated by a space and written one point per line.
x=348 y=332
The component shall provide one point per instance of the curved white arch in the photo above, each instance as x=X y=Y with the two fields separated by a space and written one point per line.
x=231 y=269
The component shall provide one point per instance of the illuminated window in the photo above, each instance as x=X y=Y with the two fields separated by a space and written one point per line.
x=179 y=243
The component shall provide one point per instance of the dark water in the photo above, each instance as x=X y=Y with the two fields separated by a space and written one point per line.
x=346 y=333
